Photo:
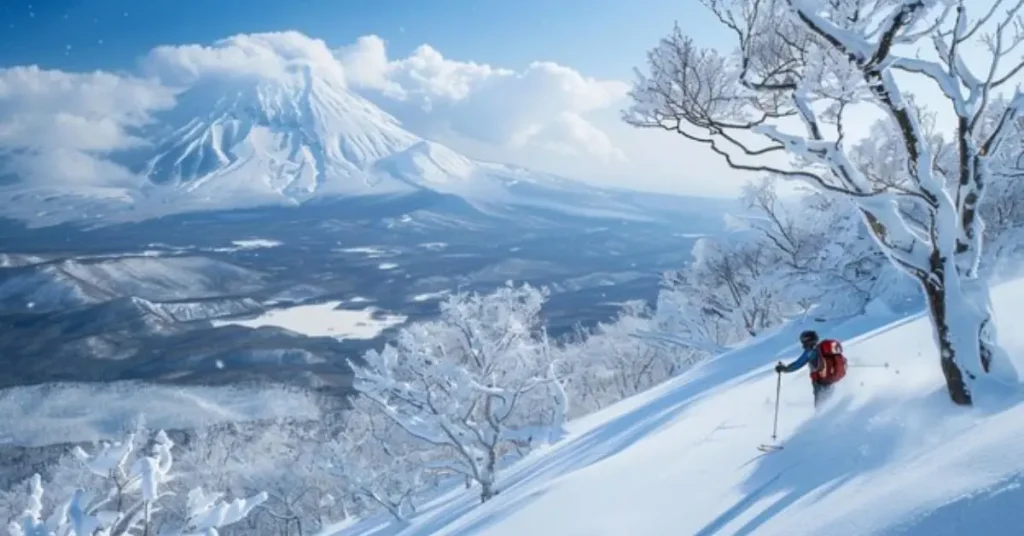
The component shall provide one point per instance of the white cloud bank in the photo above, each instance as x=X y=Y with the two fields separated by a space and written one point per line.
x=57 y=126
x=543 y=106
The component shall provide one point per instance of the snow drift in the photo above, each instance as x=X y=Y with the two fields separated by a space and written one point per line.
x=889 y=454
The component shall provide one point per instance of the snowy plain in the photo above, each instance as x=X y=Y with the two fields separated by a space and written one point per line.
x=322 y=320
x=248 y=245
x=59 y=413
x=888 y=454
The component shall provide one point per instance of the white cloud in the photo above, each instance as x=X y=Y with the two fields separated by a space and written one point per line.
x=425 y=74
x=544 y=106
x=545 y=116
x=57 y=126
x=247 y=56
x=573 y=136
x=366 y=66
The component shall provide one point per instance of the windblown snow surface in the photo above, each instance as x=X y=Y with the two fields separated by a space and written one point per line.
x=889 y=454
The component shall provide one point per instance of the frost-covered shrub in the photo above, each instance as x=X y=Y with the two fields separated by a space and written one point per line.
x=126 y=498
x=474 y=384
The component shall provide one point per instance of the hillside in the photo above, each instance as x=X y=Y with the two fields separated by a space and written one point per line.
x=888 y=455
x=70 y=283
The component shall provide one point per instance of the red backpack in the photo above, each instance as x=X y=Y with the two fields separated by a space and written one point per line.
x=832 y=367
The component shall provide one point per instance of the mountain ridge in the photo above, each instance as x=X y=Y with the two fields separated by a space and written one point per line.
x=288 y=139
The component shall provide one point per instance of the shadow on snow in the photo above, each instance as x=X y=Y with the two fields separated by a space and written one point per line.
x=844 y=441
x=612 y=437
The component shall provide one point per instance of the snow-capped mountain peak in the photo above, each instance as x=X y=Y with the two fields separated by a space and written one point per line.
x=295 y=135
x=278 y=126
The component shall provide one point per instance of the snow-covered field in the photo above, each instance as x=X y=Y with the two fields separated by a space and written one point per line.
x=322 y=320
x=430 y=296
x=434 y=246
x=889 y=454
x=249 y=244
x=372 y=252
x=58 y=413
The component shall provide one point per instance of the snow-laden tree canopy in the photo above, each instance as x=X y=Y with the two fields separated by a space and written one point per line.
x=783 y=102
x=474 y=383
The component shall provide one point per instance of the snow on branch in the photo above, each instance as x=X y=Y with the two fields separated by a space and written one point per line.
x=129 y=502
x=809 y=63
x=380 y=463
x=473 y=383
x=802 y=68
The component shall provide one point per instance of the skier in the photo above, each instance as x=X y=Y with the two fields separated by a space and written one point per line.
x=825 y=360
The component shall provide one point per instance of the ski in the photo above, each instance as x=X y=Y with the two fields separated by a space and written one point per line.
x=769 y=448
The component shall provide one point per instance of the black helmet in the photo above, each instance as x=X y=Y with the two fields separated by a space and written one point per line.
x=809 y=338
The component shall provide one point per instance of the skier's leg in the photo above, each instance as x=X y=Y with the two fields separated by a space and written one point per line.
x=821 y=393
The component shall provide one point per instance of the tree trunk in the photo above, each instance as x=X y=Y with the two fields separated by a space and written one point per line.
x=948 y=352
x=392 y=508
x=961 y=314
x=487 y=482
x=487 y=492
x=395 y=510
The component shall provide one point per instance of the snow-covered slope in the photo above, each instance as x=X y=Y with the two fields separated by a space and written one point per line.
x=11 y=260
x=285 y=138
x=888 y=455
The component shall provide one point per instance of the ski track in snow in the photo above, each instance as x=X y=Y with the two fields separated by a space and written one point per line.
x=888 y=454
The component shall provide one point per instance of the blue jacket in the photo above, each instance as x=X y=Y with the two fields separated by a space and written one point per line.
x=809 y=357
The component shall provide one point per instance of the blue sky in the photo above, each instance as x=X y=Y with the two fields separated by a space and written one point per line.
x=600 y=38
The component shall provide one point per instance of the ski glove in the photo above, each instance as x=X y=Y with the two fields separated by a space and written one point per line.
x=780 y=368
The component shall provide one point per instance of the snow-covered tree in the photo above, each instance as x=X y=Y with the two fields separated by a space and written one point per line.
x=1003 y=210
x=128 y=502
x=379 y=462
x=727 y=293
x=621 y=357
x=284 y=462
x=214 y=456
x=474 y=384
x=588 y=379
x=281 y=457
x=682 y=318
x=823 y=257
x=811 y=65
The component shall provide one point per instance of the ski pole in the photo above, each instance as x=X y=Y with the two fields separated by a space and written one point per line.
x=778 y=391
